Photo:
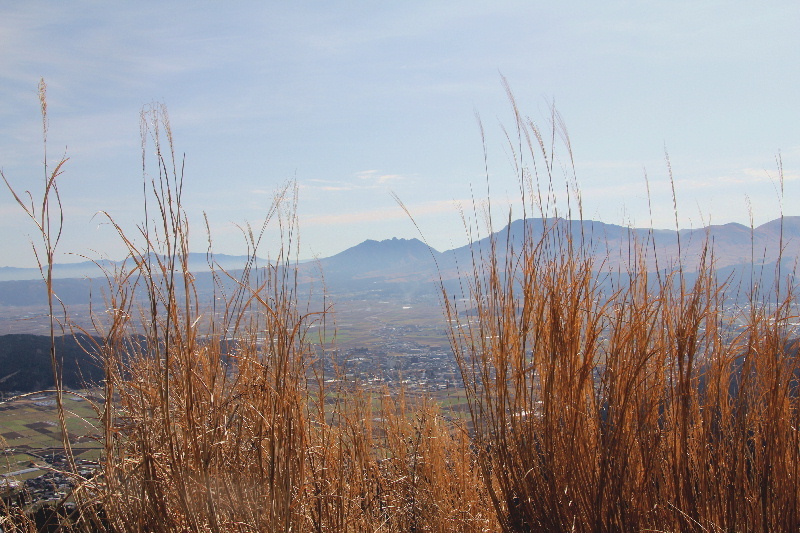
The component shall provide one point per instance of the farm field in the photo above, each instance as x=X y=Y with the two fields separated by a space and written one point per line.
x=360 y=321
x=29 y=432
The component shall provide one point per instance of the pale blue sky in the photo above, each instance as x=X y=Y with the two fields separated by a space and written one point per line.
x=356 y=100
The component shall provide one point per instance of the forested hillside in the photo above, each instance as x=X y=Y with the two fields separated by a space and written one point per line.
x=25 y=363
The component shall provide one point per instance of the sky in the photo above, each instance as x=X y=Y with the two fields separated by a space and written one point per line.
x=361 y=102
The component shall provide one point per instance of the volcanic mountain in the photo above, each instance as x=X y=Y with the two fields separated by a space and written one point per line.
x=390 y=259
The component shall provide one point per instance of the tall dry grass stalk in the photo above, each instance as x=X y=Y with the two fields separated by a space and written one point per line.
x=47 y=216
x=624 y=401
x=48 y=219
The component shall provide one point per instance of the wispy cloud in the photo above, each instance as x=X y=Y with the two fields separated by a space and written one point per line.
x=766 y=175
x=363 y=180
x=375 y=177
x=587 y=166
x=745 y=176
x=370 y=215
x=384 y=214
x=316 y=184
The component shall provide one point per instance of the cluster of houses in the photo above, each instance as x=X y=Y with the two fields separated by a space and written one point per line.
x=52 y=488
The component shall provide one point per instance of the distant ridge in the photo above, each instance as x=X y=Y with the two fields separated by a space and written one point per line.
x=25 y=362
x=198 y=262
x=404 y=260
x=612 y=245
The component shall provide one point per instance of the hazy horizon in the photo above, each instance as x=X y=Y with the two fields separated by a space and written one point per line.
x=787 y=232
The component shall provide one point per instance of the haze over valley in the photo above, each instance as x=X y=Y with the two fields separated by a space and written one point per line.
x=386 y=321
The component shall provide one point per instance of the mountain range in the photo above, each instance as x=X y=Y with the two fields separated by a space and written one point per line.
x=732 y=247
x=735 y=248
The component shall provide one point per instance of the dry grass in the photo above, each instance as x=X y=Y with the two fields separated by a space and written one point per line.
x=623 y=402
x=232 y=428
x=627 y=402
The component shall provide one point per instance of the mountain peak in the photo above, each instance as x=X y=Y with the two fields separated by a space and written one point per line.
x=389 y=256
